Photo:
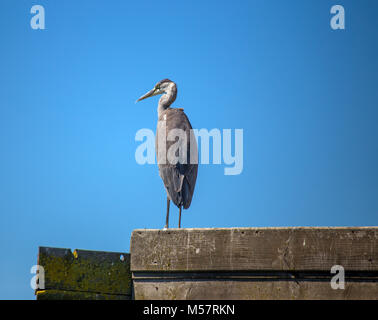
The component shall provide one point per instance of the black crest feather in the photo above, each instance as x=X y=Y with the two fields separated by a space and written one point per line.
x=164 y=80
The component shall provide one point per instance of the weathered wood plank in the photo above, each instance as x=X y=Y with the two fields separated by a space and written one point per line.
x=105 y=273
x=254 y=263
x=244 y=249
x=250 y=290
x=77 y=295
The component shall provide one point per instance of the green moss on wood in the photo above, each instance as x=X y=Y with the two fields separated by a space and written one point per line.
x=76 y=295
x=86 y=271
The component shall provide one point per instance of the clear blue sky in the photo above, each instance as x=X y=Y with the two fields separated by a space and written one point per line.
x=305 y=95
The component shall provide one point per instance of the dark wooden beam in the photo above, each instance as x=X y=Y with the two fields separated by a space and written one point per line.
x=84 y=274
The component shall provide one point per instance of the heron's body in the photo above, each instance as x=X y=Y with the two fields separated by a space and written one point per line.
x=179 y=177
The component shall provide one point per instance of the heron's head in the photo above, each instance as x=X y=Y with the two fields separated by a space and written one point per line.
x=164 y=86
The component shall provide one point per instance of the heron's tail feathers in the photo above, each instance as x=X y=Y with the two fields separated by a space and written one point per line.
x=182 y=196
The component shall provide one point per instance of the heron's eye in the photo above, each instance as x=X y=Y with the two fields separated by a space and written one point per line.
x=157 y=87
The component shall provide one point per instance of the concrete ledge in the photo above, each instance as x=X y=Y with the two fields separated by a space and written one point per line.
x=254 y=263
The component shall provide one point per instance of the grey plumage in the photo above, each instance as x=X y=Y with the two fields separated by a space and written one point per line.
x=179 y=178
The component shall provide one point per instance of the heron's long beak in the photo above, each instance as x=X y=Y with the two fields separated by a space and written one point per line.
x=150 y=93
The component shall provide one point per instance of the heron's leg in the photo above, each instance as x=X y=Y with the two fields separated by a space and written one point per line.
x=167 y=218
x=180 y=218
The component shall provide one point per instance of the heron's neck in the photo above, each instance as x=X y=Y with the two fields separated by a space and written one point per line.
x=167 y=98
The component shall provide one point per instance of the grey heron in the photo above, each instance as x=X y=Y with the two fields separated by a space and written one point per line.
x=179 y=177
